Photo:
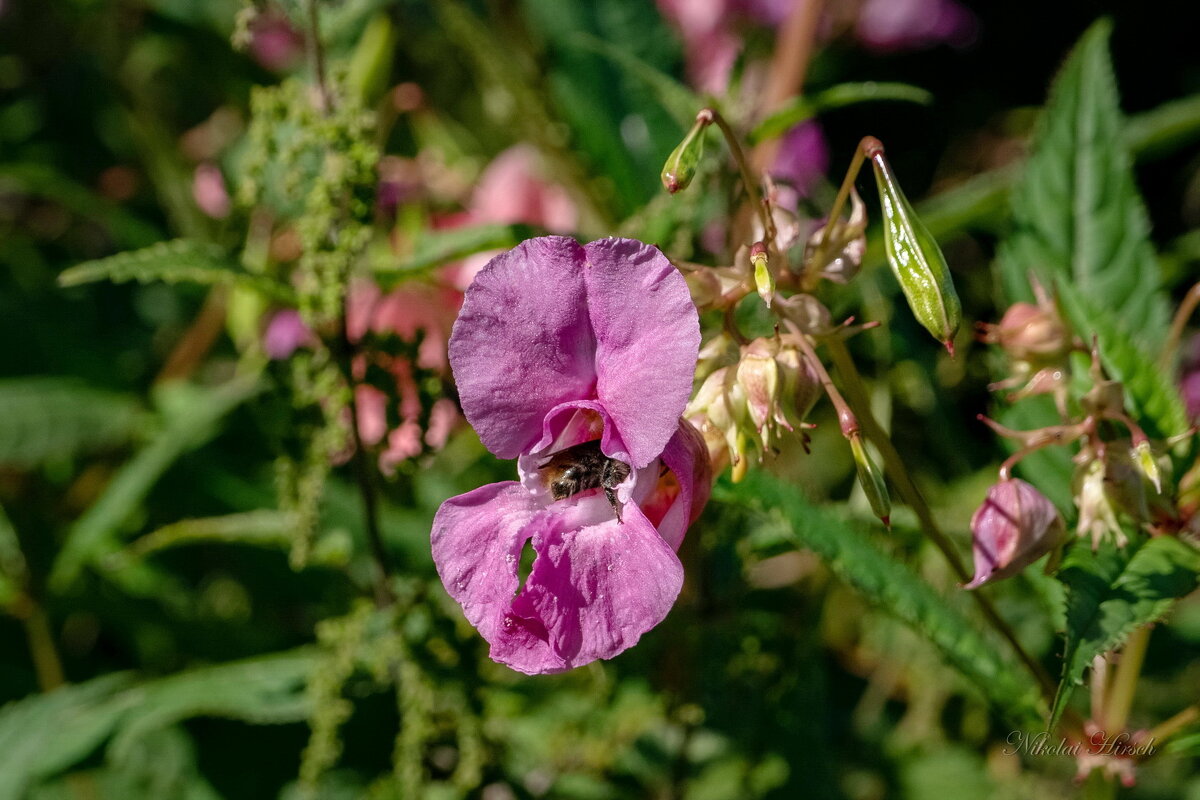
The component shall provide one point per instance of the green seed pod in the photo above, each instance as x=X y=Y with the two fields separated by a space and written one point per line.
x=681 y=165
x=871 y=480
x=914 y=255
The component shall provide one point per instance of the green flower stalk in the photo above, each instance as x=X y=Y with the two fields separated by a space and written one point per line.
x=914 y=255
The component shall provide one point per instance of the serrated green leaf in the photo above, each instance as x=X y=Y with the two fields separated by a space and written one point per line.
x=1077 y=213
x=263 y=527
x=891 y=586
x=44 y=734
x=191 y=417
x=176 y=261
x=265 y=690
x=1150 y=395
x=47 y=419
x=1113 y=591
x=844 y=94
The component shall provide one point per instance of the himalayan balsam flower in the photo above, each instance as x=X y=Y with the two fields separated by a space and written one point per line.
x=559 y=344
x=1015 y=526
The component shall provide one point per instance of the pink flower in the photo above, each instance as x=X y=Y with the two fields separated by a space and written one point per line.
x=560 y=345
x=893 y=25
x=802 y=159
x=209 y=192
x=1015 y=526
x=285 y=333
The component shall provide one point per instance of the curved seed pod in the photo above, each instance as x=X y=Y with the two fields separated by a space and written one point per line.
x=914 y=255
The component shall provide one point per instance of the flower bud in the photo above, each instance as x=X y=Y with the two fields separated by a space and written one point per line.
x=914 y=255
x=799 y=388
x=1144 y=460
x=870 y=478
x=681 y=165
x=764 y=281
x=758 y=376
x=1032 y=333
x=1015 y=526
x=806 y=312
x=1095 y=499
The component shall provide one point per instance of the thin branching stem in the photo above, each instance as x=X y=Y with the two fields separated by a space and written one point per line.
x=902 y=480
x=753 y=187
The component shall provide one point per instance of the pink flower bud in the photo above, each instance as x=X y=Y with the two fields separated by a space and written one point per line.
x=1015 y=526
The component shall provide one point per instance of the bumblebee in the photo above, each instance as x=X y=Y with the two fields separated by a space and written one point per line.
x=583 y=467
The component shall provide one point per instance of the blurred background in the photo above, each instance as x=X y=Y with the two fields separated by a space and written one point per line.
x=176 y=548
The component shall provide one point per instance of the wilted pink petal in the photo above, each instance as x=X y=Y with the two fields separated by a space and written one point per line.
x=1015 y=526
x=208 y=190
x=285 y=333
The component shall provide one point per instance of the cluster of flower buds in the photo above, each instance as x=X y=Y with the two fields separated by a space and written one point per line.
x=768 y=388
x=1118 y=483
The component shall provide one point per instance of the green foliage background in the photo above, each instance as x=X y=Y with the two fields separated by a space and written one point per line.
x=811 y=654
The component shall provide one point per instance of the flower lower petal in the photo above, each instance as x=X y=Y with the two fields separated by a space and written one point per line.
x=594 y=590
x=477 y=540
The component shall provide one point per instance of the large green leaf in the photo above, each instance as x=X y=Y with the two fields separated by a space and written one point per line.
x=892 y=586
x=176 y=261
x=1077 y=213
x=47 y=419
x=1112 y=591
x=46 y=734
x=191 y=416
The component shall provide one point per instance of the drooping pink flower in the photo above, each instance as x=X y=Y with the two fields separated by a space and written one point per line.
x=557 y=345
x=802 y=158
x=1015 y=526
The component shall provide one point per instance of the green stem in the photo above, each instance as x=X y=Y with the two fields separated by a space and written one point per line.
x=839 y=202
x=1124 y=685
x=753 y=190
x=895 y=469
x=46 y=663
x=1163 y=731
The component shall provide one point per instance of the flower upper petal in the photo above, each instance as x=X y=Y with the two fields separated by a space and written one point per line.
x=594 y=590
x=647 y=341
x=523 y=342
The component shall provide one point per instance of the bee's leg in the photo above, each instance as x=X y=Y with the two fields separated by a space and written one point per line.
x=611 y=494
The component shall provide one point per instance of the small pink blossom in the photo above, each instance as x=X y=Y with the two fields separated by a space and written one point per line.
x=557 y=345
x=209 y=192
x=894 y=25
x=285 y=333
x=274 y=43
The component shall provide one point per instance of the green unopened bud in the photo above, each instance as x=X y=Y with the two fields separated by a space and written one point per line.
x=1145 y=461
x=681 y=165
x=764 y=281
x=870 y=478
x=914 y=255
